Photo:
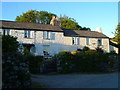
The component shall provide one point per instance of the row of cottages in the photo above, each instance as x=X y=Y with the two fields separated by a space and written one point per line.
x=50 y=39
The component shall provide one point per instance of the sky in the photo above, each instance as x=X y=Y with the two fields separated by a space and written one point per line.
x=87 y=14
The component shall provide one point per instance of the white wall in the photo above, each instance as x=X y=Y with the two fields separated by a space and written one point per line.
x=58 y=44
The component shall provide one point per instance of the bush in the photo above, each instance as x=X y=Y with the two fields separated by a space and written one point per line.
x=84 y=62
x=15 y=71
x=86 y=48
x=9 y=44
x=99 y=50
x=90 y=51
x=64 y=59
x=74 y=52
x=34 y=63
x=63 y=52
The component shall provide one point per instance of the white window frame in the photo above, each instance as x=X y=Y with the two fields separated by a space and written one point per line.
x=6 y=31
x=46 y=35
x=28 y=34
x=87 y=41
x=100 y=43
x=76 y=40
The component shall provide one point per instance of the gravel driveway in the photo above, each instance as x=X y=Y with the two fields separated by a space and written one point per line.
x=78 y=80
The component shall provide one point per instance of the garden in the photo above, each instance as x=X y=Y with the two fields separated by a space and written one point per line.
x=17 y=68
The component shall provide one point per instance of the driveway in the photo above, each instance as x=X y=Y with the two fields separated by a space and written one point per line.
x=78 y=80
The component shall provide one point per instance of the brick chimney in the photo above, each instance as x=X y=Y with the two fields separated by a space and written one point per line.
x=55 y=21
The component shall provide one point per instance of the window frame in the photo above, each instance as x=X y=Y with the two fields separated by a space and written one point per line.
x=6 y=31
x=46 y=35
x=75 y=40
x=27 y=34
x=99 y=42
x=87 y=41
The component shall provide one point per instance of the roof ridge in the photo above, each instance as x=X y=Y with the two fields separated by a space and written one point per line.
x=24 y=22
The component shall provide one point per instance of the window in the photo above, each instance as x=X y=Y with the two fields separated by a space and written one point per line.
x=75 y=40
x=6 y=32
x=46 y=35
x=87 y=41
x=99 y=42
x=46 y=49
x=27 y=34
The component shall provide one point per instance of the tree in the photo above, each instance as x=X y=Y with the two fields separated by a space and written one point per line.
x=70 y=23
x=9 y=44
x=117 y=34
x=45 y=17
x=117 y=37
x=35 y=16
x=30 y=16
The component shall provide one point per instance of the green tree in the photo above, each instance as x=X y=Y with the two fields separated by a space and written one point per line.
x=9 y=44
x=70 y=23
x=35 y=16
x=117 y=34
x=30 y=16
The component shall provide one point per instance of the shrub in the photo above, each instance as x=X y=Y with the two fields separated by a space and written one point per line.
x=15 y=71
x=86 y=48
x=63 y=52
x=34 y=63
x=99 y=50
x=9 y=44
x=64 y=58
x=90 y=51
x=84 y=62
x=74 y=52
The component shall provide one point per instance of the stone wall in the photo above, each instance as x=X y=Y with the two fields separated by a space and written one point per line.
x=56 y=43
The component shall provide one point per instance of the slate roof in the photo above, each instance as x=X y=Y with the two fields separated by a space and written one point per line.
x=84 y=33
x=48 y=27
x=29 y=26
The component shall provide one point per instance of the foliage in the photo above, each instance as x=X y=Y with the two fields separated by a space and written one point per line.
x=85 y=48
x=15 y=71
x=90 y=61
x=117 y=34
x=45 y=18
x=35 y=16
x=34 y=63
x=70 y=23
x=90 y=51
x=74 y=52
x=9 y=44
x=63 y=52
x=99 y=50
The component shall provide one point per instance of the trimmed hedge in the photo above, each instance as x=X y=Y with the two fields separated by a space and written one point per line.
x=90 y=61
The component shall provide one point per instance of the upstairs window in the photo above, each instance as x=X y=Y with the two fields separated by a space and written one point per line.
x=6 y=32
x=87 y=41
x=27 y=34
x=75 y=40
x=99 y=42
x=46 y=35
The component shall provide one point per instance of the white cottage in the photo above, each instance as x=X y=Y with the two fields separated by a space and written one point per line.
x=49 y=39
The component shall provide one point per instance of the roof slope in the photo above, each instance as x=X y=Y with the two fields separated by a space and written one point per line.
x=84 y=33
x=29 y=26
x=48 y=27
